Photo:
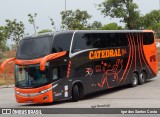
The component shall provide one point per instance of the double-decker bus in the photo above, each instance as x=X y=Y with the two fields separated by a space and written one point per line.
x=70 y=64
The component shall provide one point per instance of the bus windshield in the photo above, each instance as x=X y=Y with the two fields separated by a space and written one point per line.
x=33 y=48
x=30 y=76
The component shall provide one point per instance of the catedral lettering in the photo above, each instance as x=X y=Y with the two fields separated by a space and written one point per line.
x=102 y=54
x=71 y=64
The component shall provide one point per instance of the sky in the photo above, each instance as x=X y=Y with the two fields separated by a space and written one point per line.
x=19 y=9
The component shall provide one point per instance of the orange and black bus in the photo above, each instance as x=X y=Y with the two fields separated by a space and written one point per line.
x=70 y=64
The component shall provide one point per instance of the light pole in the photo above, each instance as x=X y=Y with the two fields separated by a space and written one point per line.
x=159 y=4
x=65 y=5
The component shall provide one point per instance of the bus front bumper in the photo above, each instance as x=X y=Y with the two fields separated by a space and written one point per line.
x=35 y=95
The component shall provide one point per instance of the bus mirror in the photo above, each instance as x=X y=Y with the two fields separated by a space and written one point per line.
x=2 y=67
x=50 y=57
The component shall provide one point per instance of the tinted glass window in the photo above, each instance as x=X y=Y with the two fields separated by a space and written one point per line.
x=84 y=41
x=81 y=42
x=99 y=40
x=34 y=48
x=55 y=74
x=148 y=38
x=62 y=42
x=123 y=41
x=112 y=40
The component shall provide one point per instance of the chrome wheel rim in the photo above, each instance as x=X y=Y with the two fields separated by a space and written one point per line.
x=134 y=80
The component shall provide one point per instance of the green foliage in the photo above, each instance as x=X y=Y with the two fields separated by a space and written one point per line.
x=111 y=26
x=31 y=20
x=96 y=25
x=5 y=48
x=4 y=35
x=124 y=9
x=1 y=55
x=151 y=21
x=13 y=47
x=44 y=31
x=15 y=30
x=75 y=20
x=52 y=23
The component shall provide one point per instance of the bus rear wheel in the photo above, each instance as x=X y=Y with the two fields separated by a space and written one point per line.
x=142 y=78
x=134 y=82
x=75 y=93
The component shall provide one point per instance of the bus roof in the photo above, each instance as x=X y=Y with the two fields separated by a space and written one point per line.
x=86 y=31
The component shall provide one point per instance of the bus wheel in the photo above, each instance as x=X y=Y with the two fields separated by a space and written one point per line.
x=75 y=93
x=142 y=78
x=134 y=80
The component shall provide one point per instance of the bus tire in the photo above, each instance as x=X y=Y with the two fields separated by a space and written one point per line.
x=75 y=93
x=142 y=78
x=134 y=82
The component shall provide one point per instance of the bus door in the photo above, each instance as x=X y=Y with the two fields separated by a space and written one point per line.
x=57 y=84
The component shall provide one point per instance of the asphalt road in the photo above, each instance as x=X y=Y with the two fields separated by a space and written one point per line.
x=142 y=96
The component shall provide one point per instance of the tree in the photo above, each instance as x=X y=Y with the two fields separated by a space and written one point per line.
x=15 y=30
x=75 y=20
x=4 y=35
x=96 y=25
x=111 y=26
x=152 y=21
x=31 y=20
x=44 y=31
x=124 y=9
x=52 y=23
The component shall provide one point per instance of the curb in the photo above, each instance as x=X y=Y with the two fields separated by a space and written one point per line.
x=6 y=86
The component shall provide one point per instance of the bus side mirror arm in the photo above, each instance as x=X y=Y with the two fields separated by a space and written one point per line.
x=2 y=67
x=50 y=57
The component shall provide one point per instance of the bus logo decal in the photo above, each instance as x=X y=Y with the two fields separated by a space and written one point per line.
x=98 y=69
x=116 y=69
x=89 y=71
x=102 y=54
x=153 y=58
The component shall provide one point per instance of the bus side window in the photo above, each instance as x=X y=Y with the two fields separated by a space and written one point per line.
x=114 y=40
x=123 y=39
x=148 y=38
x=62 y=42
x=99 y=40
x=82 y=41
x=55 y=74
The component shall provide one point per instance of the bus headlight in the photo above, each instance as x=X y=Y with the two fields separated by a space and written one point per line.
x=17 y=92
x=46 y=90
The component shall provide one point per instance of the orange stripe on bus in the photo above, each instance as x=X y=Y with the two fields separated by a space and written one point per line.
x=132 y=52
x=138 y=35
x=148 y=31
x=141 y=45
x=135 y=57
x=128 y=60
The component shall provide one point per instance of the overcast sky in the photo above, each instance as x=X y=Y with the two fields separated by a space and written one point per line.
x=18 y=9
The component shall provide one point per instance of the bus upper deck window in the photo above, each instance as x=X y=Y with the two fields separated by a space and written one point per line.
x=62 y=42
x=148 y=38
x=82 y=41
